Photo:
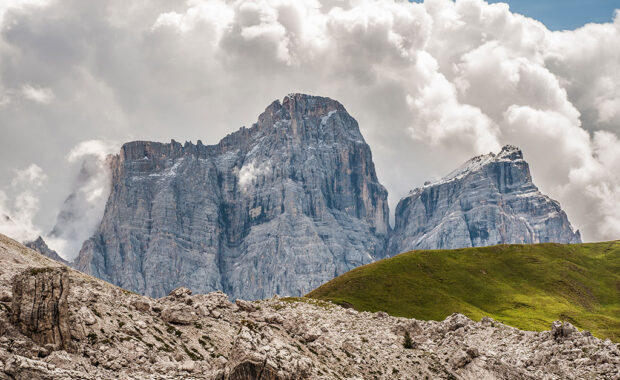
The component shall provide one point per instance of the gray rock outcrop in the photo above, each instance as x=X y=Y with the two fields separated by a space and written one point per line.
x=488 y=200
x=39 y=308
x=40 y=246
x=278 y=208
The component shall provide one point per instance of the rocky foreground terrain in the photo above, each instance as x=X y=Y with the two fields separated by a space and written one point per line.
x=57 y=323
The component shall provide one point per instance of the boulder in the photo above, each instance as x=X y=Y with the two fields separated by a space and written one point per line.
x=141 y=305
x=179 y=314
x=274 y=319
x=6 y=296
x=40 y=308
x=311 y=334
x=456 y=321
x=561 y=330
x=245 y=306
x=180 y=293
x=253 y=370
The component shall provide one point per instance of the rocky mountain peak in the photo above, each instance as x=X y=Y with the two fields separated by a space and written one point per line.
x=41 y=246
x=291 y=202
x=279 y=207
x=305 y=116
x=510 y=152
x=488 y=200
x=310 y=106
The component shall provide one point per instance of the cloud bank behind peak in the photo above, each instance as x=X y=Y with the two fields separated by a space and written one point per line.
x=430 y=83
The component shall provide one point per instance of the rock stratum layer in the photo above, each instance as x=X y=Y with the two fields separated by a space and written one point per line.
x=117 y=334
x=489 y=200
x=278 y=208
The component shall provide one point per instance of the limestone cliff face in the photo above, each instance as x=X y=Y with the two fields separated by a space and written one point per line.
x=489 y=200
x=280 y=207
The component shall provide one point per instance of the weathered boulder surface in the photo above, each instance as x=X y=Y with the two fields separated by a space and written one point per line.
x=489 y=200
x=278 y=208
x=561 y=330
x=39 y=307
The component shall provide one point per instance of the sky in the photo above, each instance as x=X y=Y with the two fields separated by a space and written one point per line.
x=565 y=14
x=431 y=84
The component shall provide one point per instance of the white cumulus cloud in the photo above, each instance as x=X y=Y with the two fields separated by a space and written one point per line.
x=430 y=83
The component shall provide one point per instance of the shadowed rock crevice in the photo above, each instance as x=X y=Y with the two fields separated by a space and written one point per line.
x=40 y=309
x=251 y=370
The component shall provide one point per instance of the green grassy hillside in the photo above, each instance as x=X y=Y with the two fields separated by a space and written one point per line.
x=526 y=286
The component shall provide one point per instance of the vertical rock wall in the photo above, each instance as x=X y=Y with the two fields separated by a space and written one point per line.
x=278 y=208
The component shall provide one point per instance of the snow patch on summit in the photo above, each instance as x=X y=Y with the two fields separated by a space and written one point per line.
x=508 y=153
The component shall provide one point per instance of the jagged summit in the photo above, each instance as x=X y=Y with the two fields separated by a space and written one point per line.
x=488 y=200
x=41 y=246
x=295 y=108
x=289 y=115
x=277 y=208
x=508 y=153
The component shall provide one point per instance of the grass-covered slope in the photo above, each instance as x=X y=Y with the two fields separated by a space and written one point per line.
x=526 y=286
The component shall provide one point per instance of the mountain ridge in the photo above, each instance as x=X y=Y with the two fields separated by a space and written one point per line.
x=508 y=153
x=296 y=192
x=41 y=246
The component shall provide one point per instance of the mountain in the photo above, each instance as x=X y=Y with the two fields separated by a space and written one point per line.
x=40 y=246
x=288 y=204
x=278 y=208
x=525 y=286
x=57 y=323
x=488 y=200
